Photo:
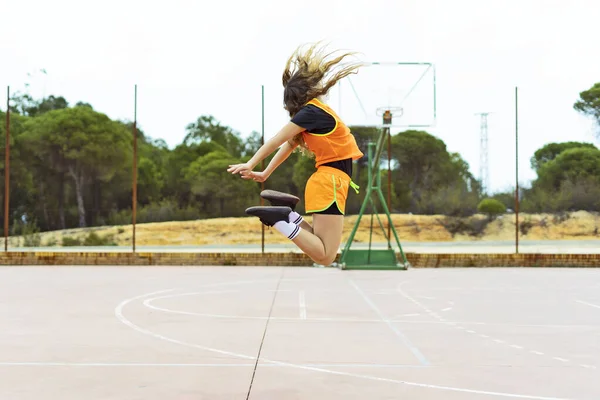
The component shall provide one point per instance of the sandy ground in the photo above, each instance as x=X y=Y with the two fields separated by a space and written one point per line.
x=579 y=225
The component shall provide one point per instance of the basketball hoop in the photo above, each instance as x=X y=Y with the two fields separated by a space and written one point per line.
x=388 y=112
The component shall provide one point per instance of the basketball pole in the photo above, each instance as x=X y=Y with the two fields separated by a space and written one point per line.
x=389 y=191
x=7 y=169
x=262 y=164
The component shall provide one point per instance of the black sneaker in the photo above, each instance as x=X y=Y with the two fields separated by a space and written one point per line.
x=280 y=199
x=270 y=215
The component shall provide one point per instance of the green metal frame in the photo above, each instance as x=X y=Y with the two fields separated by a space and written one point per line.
x=375 y=259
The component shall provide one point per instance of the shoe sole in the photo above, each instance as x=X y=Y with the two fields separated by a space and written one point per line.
x=252 y=212
x=280 y=199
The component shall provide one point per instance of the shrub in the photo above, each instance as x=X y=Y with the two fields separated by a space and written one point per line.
x=471 y=226
x=491 y=207
x=525 y=226
x=163 y=211
x=452 y=200
x=31 y=235
x=68 y=241
x=93 y=239
x=51 y=242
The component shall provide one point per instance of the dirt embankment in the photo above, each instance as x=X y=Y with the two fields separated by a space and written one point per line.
x=410 y=228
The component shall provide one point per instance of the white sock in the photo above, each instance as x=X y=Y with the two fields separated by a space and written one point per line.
x=296 y=218
x=289 y=229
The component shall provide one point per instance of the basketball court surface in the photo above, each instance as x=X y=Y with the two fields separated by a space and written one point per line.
x=318 y=333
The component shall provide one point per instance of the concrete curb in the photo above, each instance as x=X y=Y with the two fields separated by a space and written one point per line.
x=417 y=260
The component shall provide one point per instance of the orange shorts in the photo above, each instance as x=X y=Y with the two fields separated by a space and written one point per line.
x=325 y=187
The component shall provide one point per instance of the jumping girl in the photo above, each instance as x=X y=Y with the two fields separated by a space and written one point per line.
x=316 y=129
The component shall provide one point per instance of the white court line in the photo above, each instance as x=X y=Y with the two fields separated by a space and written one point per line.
x=124 y=320
x=447 y=309
x=89 y=364
x=484 y=336
x=399 y=289
x=302 y=304
x=588 y=304
x=539 y=353
x=196 y=294
x=394 y=329
x=566 y=326
x=196 y=365
x=148 y=302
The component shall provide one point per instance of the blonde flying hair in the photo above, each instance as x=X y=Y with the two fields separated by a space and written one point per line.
x=310 y=74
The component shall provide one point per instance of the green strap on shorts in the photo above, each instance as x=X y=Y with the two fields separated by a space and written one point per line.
x=354 y=186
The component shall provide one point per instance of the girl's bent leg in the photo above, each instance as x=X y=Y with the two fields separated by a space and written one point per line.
x=306 y=226
x=323 y=243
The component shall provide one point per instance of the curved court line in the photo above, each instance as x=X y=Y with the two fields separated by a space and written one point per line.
x=148 y=304
x=587 y=304
x=329 y=319
x=124 y=320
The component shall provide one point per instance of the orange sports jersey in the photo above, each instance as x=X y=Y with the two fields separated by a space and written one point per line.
x=338 y=144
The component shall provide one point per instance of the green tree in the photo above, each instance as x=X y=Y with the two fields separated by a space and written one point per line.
x=570 y=165
x=82 y=143
x=571 y=181
x=22 y=103
x=152 y=169
x=25 y=104
x=177 y=161
x=48 y=104
x=252 y=144
x=209 y=179
x=426 y=172
x=22 y=186
x=589 y=102
x=551 y=150
x=208 y=129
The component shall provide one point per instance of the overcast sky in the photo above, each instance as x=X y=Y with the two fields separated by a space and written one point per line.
x=190 y=58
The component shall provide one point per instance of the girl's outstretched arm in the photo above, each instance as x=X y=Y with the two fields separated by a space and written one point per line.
x=286 y=133
x=282 y=155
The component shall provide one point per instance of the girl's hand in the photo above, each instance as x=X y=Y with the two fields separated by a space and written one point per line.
x=256 y=176
x=239 y=168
